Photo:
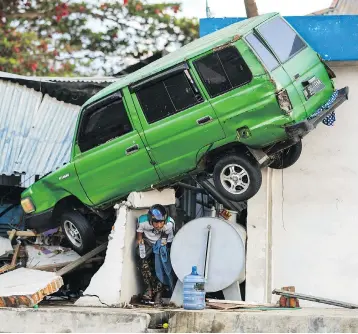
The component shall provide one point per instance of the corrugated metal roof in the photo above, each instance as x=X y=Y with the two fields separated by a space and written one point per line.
x=340 y=7
x=70 y=90
x=35 y=132
x=56 y=79
x=49 y=141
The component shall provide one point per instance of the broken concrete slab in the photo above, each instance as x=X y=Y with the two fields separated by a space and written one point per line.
x=113 y=285
x=141 y=200
x=73 y=320
x=310 y=320
x=5 y=246
x=49 y=257
x=27 y=287
x=116 y=320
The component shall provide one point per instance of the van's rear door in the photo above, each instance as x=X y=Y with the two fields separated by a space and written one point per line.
x=300 y=61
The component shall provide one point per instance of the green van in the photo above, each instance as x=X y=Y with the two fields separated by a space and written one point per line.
x=226 y=104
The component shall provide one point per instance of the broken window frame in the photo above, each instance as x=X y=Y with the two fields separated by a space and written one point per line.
x=246 y=68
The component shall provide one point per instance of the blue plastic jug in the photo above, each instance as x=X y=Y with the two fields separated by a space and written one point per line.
x=194 y=291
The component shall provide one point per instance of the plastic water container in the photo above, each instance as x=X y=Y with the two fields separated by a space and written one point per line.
x=142 y=250
x=194 y=291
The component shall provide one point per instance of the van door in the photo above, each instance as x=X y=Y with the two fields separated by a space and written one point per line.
x=176 y=119
x=300 y=61
x=242 y=94
x=112 y=160
x=278 y=74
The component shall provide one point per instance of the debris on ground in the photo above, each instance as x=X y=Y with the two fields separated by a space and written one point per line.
x=81 y=260
x=226 y=305
x=289 y=294
x=14 y=233
x=5 y=247
x=27 y=287
x=292 y=302
x=49 y=258
x=32 y=266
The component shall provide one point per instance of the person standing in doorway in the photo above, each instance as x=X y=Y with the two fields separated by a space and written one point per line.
x=155 y=233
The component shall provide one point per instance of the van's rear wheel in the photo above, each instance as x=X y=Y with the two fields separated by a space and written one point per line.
x=78 y=232
x=287 y=157
x=237 y=177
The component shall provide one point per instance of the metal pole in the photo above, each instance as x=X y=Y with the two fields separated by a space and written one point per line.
x=218 y=197
x=207 y=255
x=314 y=299
x=208 y=12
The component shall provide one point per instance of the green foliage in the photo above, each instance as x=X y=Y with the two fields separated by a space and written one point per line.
x=58 y=37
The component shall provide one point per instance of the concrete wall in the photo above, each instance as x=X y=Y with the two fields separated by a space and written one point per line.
x=303 y=226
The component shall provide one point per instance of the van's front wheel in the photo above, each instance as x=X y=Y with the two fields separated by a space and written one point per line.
x=78 y=232
x=237 y=177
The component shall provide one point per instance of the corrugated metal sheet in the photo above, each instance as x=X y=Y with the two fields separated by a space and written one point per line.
x=55 y=79
x=48 y=143
x=35 y=133
x=17 y=109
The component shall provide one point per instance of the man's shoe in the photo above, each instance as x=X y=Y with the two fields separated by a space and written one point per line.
x=158 y=298
x=148 y=295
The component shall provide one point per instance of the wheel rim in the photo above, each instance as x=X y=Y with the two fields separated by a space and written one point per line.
x=72 y=233
x=235 y=179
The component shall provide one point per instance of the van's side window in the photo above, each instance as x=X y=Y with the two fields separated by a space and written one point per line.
x=266 y=56
x=101 y=125
x=282 y=39
x=223 y=71
x=168 y=97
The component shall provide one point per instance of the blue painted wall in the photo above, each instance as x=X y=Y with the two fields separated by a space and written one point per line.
x=333 y=37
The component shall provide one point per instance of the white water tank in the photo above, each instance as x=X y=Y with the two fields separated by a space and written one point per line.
x=225 y=254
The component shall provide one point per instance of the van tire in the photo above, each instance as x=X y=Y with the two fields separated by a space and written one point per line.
x=287 y=157
x=78 y=232
x=237 y=177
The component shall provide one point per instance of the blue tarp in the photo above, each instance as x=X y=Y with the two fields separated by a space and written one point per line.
x=10 y=219
x=334 y=37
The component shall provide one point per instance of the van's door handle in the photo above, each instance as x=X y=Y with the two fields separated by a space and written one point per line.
x=132 y=149
x=204 y=120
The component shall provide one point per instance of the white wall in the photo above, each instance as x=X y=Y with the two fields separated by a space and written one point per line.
x=303 y=226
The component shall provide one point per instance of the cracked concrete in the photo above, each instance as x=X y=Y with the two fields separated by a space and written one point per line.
x=86 y=319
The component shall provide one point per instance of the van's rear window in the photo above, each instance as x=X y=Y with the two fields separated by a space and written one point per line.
x=282 y=39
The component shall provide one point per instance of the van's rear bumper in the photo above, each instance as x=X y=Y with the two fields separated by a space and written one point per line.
x=301 y=129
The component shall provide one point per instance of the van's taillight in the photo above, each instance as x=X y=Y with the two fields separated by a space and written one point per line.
x=330 y=72
x=284 y=101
